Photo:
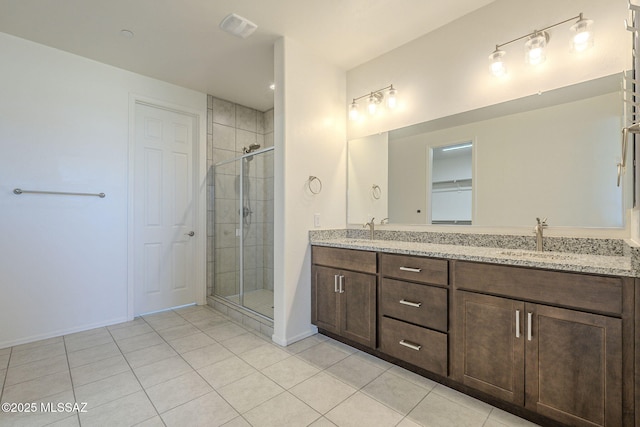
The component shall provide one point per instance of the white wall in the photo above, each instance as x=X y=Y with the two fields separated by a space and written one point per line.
x=64 y=126
x=310 y=139
x=447 y=71
x=368 y=166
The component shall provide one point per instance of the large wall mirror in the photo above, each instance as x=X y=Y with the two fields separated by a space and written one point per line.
x=550 y=155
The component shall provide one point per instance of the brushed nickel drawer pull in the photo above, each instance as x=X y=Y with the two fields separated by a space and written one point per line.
x=411 y=304
x=411 y=269
x=335 y=283
x=341 y=281
x=410 y=345
x=517 y=323
x=529 y=321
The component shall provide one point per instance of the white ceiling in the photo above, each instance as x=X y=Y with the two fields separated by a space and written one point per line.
x=179 y=41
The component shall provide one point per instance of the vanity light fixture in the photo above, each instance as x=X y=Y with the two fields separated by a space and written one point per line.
x=537 y=41
x=374 y=99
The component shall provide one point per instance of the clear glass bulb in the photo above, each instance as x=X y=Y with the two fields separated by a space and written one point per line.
x=373 y=105
x=583 y=37
x=353 y=111
x=392 y=99
x=498 y=67
x=535 y=49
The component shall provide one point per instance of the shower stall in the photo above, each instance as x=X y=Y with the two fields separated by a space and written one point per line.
x=243 y=230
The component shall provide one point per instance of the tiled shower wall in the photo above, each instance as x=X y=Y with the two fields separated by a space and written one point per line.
x=230 y=127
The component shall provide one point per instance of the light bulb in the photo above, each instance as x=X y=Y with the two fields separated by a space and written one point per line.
x=498 y=67
x=353 y=111
x=535 y=48
x=392 y=99
x=373 y=104
x=583 y=37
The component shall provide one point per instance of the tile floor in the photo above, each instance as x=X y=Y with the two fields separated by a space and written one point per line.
x=196 y=367
x=260 y=301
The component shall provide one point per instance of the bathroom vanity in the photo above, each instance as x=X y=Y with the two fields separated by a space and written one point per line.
x=548 y=336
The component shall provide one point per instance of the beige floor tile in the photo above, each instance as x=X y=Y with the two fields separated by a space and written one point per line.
x=191 y=342
x=225 y=372
x=462 y=399
x=39 y=418
x=30 y=391
x=165 y=320
x=406 y=422
x=131 y=331
x=322 y=392
x=36 y=344
x=33 y=370
x=152 y=422
x=209 y=410
x=80 y=342
x=282 y=410
x=374 y=360
x=164 y=370
x=500 y=418
x=249 y=392
x=322 y=355
x=4 y=361
x=238 y=422
x=190 y=309
x=340 y=346
x=289 y=372
x=416 y=379
x=92 y=354
x=264 y=356
x=359 y=410
x=34 y=354
x=126 y=411
x=395 y=392
x=437 y=411
x=206 y=313
x=72 y=421
x=322 y=422
x=127 y=345
x=99 y=370
x=176 y=391
x=205 y=356
x=150 y=355
x=178 y=332
x=5 y=351
x=106 y=390
x=243 y=343
x=135 y=322
x=225 y=331
x=355 y=371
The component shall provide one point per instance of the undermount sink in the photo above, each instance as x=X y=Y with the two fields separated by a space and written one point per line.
x=540 y=255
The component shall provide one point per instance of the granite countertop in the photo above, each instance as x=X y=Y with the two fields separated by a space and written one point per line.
x=598 y=264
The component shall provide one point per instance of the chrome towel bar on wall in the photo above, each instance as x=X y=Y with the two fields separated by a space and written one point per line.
x=19 y=191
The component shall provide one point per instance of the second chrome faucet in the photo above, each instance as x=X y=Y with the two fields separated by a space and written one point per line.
x=538 y=229
x=372 y=227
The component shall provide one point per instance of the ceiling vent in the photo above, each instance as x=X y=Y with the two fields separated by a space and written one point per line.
x=238 y=26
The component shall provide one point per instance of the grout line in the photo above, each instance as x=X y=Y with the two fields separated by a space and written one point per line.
x=73 y=388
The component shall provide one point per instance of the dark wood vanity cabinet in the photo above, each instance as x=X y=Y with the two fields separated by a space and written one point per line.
x=549 y=341
x=413 y=310
x=344 y=286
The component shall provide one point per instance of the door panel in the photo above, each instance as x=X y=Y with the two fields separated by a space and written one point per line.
x=492 y=355
x=574 y=366
x=324 y=311
x=358 y=309
x=163 y=209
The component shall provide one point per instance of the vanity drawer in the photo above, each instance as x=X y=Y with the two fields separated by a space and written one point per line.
x=416 y=269
x=599 y=294
x=348 y=259
x=419 y=346
x=420 y=304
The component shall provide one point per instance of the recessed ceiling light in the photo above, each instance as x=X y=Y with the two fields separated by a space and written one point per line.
x=127 y=34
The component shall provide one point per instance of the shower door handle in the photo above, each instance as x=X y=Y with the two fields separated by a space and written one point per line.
x=190 y=234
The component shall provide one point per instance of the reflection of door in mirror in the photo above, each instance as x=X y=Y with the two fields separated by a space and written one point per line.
x=451 y=184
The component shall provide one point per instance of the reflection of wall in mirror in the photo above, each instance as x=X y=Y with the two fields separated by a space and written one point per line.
x=452 y=184
x=527 y=165
x=368 y=166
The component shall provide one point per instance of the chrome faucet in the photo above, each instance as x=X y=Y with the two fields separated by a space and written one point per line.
x=538 y=229
x=384 y=221
x=371 y=226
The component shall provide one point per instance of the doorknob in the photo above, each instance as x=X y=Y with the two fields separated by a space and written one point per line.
x=191 y=233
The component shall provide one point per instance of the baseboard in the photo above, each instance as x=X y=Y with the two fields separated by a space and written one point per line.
x=285 y=341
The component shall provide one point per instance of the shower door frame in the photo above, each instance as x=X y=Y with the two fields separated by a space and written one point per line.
x=241 y=228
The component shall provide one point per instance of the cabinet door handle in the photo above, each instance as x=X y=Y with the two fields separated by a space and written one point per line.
x=517 y=323
x=411 y=304
x=529 y=318
x=410 y=345
x=335 y=283
x=341 y=279
x=411 y=269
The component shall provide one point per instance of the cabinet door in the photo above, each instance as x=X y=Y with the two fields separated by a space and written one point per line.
x=325 y=313
x=358 y=311
x=491 y=347
x=574 y=366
